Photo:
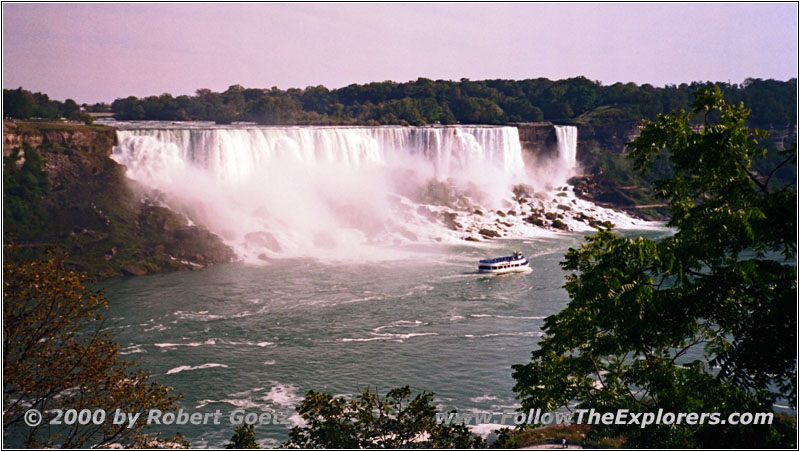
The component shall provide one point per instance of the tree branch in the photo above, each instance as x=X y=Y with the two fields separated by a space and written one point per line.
x=771 y=173
x=753 y=178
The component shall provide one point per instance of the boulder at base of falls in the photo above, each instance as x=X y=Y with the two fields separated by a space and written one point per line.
x=449 y=220
x=535 y=220
x=488 y=233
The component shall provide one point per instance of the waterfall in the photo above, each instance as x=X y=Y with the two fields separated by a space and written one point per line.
x=236 y=154
x=278 y=191
x=567 y=137
x=566 y=163
x=349 y=192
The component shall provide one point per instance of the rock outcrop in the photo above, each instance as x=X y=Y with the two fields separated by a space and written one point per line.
x=537 y=139
x=110 y=225
x=58 y=135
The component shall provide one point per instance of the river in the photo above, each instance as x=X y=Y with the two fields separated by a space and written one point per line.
x=257 y=337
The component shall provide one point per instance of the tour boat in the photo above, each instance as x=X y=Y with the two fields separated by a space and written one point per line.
x=509 y=264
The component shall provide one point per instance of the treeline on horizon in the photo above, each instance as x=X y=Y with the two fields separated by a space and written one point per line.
x=576 y=100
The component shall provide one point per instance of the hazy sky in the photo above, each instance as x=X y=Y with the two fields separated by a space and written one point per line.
x=98 y=52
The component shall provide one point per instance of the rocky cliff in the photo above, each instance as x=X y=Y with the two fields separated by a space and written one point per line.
x=538 y=138
x=61 y=188
x=78 y=137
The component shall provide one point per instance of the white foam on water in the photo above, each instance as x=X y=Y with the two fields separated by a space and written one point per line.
x=521 y=333
x=158 y=327
x=202 y=366
x=400 y=323
x=479 y=316
x=211 y=341
x=214 y=341
x=131 y=349
x=284 y=395
x=393 y=337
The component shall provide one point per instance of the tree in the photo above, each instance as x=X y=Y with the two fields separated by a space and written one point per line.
x=427 y=101
x=518 y=109
x=56 y=355
x=71 y=110
x=129 y=108
x=244 y=437
x=18 y=103
x=702 y=321
x=395 y=421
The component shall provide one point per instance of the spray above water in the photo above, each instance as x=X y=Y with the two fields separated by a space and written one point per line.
x=332 y=191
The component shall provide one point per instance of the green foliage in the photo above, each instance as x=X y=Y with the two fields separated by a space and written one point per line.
x=577 y=100
x=425 y=101
x=17 y=103
x=100 y=107
x=22 y=104
x=25 y=183
x=702 y=321
x=243 y=438
x=395 y=421
x=57 y=355
x=71 y=110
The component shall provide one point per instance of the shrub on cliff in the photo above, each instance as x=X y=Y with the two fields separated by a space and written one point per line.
x=25 y=183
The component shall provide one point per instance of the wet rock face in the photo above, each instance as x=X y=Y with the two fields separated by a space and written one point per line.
x=538 y=139
x=449 y=219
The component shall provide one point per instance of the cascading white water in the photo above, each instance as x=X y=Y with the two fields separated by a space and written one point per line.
x=288 y=191
x=238 y=154
x=567 y=137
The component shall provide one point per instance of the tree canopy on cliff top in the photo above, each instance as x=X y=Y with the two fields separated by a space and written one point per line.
x=426 y=101
x=702 y=321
